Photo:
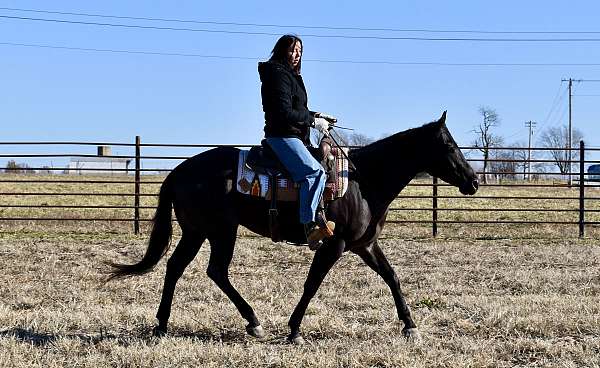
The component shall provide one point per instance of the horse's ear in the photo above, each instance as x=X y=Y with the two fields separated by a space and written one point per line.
x=442 y=119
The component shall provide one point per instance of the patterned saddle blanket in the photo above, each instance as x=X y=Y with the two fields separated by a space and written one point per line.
x=258 y=185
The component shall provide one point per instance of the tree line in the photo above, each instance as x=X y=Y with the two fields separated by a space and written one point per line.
x=510 y=163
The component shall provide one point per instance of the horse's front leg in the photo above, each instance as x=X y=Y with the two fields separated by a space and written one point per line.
x=322 y=262
x=373 y=256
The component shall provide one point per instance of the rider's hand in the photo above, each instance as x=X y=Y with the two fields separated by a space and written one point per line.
x=322 y=125
x=329 y=118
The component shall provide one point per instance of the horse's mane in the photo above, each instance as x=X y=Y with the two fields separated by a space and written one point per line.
x=404 y=139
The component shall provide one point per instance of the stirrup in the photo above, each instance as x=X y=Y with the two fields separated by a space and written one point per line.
x=315 y=233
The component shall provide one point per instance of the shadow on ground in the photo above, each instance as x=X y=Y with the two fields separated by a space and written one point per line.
x=42 y=339
x=145 y=335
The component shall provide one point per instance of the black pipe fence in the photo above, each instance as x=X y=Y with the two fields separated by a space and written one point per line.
x=503 y=171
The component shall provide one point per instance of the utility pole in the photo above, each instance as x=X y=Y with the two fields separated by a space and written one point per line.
x=530 y=124
x=570 y=126
x=570 y=80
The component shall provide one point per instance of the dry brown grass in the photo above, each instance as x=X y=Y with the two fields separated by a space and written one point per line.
x=415 y=230
x=478 y=303
x=482 y=296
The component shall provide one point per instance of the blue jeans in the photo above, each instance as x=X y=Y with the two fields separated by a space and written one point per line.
x=305 y=170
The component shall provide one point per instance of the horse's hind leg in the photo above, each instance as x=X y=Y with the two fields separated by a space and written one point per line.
x=222 y=244
x=186 y=250
x=373 y=256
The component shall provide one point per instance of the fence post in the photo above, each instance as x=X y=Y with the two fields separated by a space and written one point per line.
x=434 y=207
x=581 y=189
x=136 y=198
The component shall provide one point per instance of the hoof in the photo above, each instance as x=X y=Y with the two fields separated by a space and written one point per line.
x=411 y=334
x=159 y=332
x=296 y=340
x=256 y=331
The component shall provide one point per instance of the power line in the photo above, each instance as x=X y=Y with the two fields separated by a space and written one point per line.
x=562 y=116
x=138 y=26
x=388 y=38
x=342 y=61
x=128 y=51
x=341 y=28
x=555 y=103
x=518 y=132
x=557 y=120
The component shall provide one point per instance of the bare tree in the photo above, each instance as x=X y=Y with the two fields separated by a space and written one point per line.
x=18 y=168
x=539 y=171
x=345 y=139
x=520 y=155
x=556 y=138
x=359 y=139
x=503 y=165
x=508 y=162
x=486 y=139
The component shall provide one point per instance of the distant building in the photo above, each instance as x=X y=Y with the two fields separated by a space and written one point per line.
x=99 y=165
x=595 y=171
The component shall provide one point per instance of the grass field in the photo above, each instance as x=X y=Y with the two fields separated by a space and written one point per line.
x=482 y=201
x=482 y=296
x=478 y=303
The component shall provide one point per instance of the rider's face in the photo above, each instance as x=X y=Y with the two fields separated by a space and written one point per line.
x=294 y=54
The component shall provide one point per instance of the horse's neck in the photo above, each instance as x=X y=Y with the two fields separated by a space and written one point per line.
x=385 y=167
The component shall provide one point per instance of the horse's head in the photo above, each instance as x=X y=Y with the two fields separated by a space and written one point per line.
x=447 y=162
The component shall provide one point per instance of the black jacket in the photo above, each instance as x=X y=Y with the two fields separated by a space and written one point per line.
x=284 y=102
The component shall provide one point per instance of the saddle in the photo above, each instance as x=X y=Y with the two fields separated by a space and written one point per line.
x=262 y=160
x=261 y=174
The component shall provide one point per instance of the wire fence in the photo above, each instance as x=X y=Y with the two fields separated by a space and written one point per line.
x=519 y=186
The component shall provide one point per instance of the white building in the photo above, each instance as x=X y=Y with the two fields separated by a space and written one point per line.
x=99 y=165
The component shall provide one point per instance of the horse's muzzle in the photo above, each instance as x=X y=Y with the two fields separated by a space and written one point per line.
x=470 y=188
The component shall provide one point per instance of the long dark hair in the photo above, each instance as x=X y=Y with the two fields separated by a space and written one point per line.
x=280 y=50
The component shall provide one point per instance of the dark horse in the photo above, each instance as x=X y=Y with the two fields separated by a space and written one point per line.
x=201 y=191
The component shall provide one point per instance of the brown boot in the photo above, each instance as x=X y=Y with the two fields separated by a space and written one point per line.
x=316 y=232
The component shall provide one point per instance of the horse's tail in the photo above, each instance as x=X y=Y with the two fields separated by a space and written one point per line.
x=160 y=238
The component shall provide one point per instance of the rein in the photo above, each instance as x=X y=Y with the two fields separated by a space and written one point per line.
x=343 y=152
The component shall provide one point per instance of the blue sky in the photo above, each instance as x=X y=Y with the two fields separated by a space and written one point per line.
x=57 y=94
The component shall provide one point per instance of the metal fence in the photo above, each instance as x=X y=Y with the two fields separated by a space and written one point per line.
x=140 y=184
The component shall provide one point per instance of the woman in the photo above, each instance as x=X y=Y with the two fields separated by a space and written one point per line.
x=287 y=131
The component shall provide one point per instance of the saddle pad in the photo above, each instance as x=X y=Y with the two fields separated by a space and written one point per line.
x=258 y=185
